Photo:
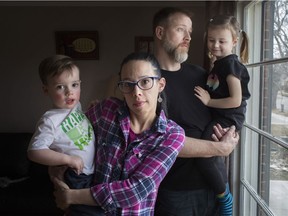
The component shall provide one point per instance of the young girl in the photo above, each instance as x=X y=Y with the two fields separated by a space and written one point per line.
x=226 y=95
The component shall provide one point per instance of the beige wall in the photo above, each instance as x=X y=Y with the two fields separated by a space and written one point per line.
x=27 y=36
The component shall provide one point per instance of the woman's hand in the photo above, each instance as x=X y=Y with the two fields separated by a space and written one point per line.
x=61 y=193
x=93 y=103
x=57 y=172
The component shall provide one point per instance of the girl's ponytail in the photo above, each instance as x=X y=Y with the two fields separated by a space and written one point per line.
x=244 y=48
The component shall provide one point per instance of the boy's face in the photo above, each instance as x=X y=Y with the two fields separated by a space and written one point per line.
x=64 y=90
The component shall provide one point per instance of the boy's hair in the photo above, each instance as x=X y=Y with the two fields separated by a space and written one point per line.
x=230 y=23
x=162 y=16
x=55 y=65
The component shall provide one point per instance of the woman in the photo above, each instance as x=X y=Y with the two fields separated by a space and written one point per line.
x=136 y=144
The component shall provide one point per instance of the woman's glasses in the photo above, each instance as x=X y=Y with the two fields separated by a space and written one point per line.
x=144 y=84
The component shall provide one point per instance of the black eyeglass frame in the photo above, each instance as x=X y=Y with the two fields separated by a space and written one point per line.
x=133 y=84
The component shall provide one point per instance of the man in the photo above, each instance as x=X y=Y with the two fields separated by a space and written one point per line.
x=184 y=191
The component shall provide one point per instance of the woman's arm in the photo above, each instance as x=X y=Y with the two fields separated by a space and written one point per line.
x=205 y=148
x=147 y=174
x=64 y=196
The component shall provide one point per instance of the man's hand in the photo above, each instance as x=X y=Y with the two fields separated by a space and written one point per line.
x=228 y=139
x=219 y=132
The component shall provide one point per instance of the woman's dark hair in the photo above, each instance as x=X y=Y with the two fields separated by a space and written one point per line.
x=143 y=56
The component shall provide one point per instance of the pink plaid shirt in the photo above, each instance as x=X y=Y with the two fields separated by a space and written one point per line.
x=128 y=174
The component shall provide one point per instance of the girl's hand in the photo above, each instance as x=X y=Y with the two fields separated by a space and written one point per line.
x=202 y=94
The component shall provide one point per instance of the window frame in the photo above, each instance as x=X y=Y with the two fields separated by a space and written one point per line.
x=247 y=176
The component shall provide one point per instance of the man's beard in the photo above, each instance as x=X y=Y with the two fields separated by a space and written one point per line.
x=178 y=54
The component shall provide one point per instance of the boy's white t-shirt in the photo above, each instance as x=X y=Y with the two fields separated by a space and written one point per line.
x=66 y=131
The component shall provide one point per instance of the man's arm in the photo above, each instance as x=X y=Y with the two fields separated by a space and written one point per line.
x=205 y=148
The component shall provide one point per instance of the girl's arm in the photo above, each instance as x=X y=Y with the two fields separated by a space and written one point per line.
x=233 y=101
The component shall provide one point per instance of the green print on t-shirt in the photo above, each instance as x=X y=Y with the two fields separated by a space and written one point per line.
x=77 y=127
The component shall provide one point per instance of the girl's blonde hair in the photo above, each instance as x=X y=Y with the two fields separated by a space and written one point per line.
x=230 y=23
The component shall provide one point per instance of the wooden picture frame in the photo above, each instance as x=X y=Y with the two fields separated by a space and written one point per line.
x=79 y=45
x=144 y=44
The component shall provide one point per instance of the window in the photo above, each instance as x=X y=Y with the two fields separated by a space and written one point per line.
x=264 y=139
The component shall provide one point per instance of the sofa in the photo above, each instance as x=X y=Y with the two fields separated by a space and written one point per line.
x=25 y=187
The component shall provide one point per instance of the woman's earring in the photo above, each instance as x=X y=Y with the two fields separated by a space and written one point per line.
x=159 y=99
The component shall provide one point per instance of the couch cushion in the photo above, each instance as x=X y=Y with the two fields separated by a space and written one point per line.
x=13 y=155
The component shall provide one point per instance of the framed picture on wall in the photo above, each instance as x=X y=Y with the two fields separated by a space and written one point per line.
x=79 y=45
x=144 y=44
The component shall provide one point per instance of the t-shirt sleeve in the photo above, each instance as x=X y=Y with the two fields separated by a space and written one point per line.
x=43 y=136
